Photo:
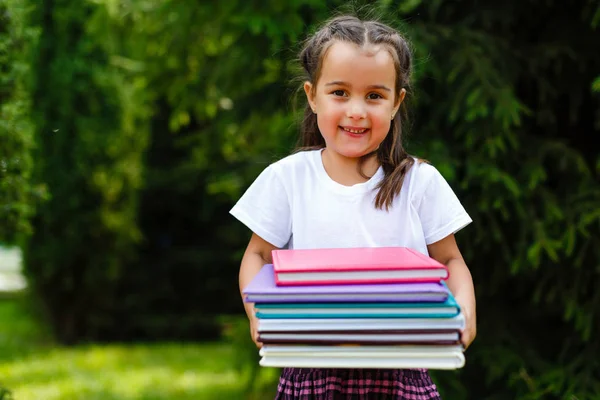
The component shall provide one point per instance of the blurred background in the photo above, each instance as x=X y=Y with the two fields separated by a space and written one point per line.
x=128 y=129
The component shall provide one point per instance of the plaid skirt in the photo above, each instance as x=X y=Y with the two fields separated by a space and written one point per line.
x=355 y=384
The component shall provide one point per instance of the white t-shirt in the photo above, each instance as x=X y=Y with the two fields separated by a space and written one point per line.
x=295 y=204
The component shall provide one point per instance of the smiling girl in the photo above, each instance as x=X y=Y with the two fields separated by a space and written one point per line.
x=352 y=184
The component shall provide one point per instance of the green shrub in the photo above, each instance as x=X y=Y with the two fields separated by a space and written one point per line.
x=18 y=194
x=5 y=394
x=151 y=118
x=89 y=156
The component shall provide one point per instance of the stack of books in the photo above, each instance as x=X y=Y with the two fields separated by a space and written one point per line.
x=356 y=308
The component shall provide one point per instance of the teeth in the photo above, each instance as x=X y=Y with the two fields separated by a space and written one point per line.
x=355 y=130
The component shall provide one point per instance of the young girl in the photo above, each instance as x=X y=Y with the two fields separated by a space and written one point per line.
x=353 y=185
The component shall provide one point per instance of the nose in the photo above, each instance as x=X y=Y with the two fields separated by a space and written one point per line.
x=356 y=110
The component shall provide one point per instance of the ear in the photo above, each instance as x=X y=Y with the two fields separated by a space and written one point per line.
x=399 y=100
x=308 y=89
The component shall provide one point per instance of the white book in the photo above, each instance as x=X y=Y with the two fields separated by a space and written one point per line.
x=453 y=361
x=359 y=324
x=393 y=351
x=369 y=337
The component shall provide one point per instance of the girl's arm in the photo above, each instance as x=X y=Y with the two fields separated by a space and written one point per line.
x=459 y=282
x=257 y=254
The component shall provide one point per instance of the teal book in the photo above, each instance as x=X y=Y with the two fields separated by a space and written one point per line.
x=446 y=309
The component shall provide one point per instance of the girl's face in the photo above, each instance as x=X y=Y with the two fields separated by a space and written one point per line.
x=354 y=98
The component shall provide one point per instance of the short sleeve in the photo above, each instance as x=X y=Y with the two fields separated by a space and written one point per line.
x=440 y=211
x=265 y=208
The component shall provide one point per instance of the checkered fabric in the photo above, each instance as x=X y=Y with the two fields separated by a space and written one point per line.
x=355 y=384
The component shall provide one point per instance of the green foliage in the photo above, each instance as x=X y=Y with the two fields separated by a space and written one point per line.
x=151 y=118
x=508 y=121
x=36 y=368
x=89 y=155
x=140 y=371
x=20 y=336
x=220 y=114
x=255 y=379
x=596 y=85
x=5 y=394
x=17 y=194
x=22 y=333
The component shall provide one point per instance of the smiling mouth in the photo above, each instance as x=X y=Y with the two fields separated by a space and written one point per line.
x=356 y=131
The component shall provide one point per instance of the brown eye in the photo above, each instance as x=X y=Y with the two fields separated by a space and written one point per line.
x=374 y=96
x=338 y=93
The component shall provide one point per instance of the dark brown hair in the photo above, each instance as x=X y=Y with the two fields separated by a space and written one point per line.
x=390 y=154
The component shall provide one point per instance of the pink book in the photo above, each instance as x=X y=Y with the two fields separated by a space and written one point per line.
x=355 y=266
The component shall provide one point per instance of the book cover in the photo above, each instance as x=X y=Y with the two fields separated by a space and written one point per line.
x=360 y=324
x=362 y=338
x=447 y=309
x=403 y=356
x=263 y=289
x=355 y=265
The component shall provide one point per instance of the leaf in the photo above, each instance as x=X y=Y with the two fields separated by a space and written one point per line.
x=596 y=84
x=533 y=254
x=408 y=6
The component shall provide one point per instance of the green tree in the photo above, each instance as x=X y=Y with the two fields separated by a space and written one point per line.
x=217 y=78
x=17 y=194
x=89 y=150
x=505 y=110
x=489 y=112
x=151 y=118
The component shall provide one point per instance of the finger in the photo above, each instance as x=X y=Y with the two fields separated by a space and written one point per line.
x=466 y=340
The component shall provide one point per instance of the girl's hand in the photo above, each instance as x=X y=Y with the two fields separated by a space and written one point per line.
x=254 y=331
x=459 y=282
x=258 y=253
x=470 y=331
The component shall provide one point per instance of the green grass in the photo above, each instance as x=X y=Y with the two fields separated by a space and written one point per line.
x=31 y=367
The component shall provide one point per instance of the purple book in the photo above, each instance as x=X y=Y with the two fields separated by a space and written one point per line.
x=262 y=289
